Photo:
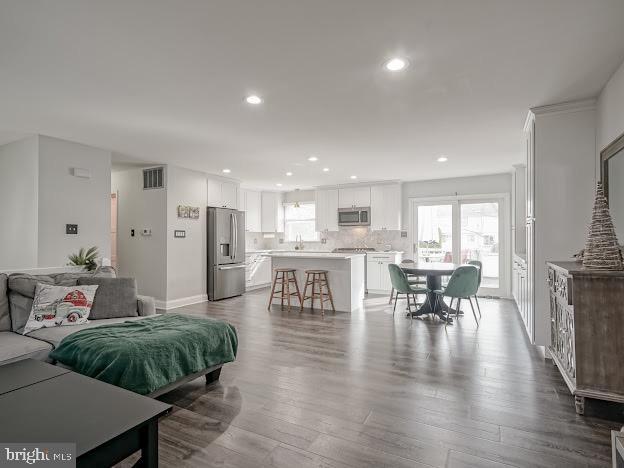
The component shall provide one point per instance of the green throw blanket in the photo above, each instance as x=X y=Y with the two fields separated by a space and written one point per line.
x=145 y=355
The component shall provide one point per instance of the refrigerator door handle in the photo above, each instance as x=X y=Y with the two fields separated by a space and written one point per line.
x=235 y=236
x=232 y=234
x=233 y=267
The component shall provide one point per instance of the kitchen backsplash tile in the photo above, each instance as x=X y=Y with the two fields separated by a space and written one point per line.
x=357 y=236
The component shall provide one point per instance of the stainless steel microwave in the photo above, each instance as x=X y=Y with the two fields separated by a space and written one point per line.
x=354 y=216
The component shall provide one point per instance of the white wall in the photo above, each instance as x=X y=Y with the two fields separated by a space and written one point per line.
x=610 y=111
x=186 y=257
x=141 y=257
x=496 y=183
x=19 y=175
x=65 y=199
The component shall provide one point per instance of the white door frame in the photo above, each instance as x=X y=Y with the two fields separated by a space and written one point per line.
x=456 y=200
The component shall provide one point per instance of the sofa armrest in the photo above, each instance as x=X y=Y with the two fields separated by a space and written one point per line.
x=146 y=306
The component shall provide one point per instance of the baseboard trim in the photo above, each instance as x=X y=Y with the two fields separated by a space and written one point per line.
x=183 y=301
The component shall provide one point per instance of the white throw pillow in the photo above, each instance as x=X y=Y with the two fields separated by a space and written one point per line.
x=55 y=306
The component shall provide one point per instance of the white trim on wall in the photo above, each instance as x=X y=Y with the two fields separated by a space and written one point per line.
x=184 y=301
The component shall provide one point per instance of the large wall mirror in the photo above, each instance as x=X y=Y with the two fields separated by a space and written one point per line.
x=612 y=175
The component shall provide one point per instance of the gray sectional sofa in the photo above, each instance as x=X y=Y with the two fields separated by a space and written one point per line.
x=16 y=296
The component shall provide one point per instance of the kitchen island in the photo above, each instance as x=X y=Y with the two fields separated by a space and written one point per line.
x=345 y=274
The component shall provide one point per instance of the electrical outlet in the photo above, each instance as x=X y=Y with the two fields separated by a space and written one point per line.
x=146 y=232
x=323 y=241
x=71 y=229
x=131 y=232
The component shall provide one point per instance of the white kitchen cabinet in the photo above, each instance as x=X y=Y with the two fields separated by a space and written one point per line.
x=326 y=210
x=354 y=196
x=272 y=212
x=385 y=203
x=252 y=206
x=222 y=194
x=559 y=196
x=229 y=195
x=377 y=274
x=257 y=270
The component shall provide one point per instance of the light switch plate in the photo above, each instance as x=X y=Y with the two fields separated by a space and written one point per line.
x=179 y=234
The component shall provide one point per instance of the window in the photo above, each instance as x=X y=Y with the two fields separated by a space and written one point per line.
x=299 y=221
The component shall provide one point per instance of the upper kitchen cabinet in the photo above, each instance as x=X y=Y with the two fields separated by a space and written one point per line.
x=354 y=196
x=272 y=212
x=252 y=206
x=385 y=203
x=326 y=210
x=222 y=194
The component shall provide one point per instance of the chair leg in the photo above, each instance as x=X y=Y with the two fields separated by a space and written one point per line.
x=329 y=293
x=297 y=289
x=458 y=307
x=409 y=307
x=272 y=291
x=305 y=291
x=478 y=306
x=473 y=310
x=396 y=299
x=288 y=291
x=448 y=314
x=391 y=296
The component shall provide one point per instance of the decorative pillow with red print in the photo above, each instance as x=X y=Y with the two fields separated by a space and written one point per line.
x=56 y=306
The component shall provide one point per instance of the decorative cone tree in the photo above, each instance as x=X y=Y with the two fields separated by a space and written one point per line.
x=602 y=251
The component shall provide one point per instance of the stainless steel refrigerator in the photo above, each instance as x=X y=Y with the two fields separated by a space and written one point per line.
x=226 y=253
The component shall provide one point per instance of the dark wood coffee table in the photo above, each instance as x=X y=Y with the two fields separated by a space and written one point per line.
x=106 y=423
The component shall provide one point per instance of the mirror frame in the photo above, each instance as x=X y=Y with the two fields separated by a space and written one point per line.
x=611 y=150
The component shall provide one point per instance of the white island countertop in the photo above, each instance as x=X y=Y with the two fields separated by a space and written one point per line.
x=321 y=255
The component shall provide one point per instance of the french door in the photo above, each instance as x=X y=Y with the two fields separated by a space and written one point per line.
x=459 y=229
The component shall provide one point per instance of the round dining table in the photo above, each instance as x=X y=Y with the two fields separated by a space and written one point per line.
x=433 y=272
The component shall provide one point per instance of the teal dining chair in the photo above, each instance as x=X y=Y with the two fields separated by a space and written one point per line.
x=479 y=265
x=463 y=284
x=401 y=285
x=411 y=279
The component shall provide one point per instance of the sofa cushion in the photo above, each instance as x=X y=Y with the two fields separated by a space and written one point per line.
x=20 y=310
x=26 y=284
x=54 y=335
x=14 y=347
x=5 y=315
x=115 y=297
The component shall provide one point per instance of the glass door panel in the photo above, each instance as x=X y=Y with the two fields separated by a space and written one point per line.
x=435 y=233
x=480 y=239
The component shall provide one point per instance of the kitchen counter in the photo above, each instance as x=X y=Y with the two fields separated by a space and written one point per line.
x=322 y=255
x=345 y=274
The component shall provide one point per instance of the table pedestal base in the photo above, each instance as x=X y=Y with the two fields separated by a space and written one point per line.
x=439 y=308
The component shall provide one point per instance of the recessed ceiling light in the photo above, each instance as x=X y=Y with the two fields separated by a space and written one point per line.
x=395 y=64
x=253 y=99
x=312 y=159
x=289 y=174
x=353 y=177
x=442 y=159
x=278 y=184
x=326 y=169
x=226 y=171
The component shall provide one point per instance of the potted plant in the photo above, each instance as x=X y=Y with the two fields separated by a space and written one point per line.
x=87 y=258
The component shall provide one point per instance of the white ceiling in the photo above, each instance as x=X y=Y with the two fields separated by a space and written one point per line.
x=165 y=80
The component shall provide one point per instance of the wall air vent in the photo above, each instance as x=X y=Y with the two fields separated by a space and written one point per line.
x=153 y=178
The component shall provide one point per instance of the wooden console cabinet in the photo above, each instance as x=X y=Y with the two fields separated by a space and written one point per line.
x=587 y=330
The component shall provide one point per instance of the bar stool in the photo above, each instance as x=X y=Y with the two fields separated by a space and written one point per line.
x=318 y=279
x=284 y=276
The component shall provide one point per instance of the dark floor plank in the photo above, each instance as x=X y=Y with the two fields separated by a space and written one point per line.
x=366 y=389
